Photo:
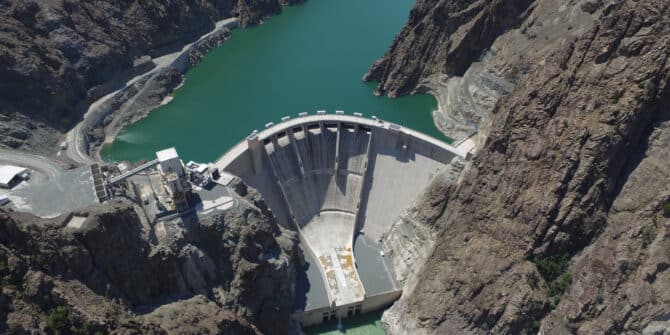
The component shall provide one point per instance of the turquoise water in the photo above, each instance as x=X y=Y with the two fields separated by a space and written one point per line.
x=311 y=57
x=366 y=324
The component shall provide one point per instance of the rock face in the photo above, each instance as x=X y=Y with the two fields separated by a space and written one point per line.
x=57 y=57
x=412 y=235
x=556 y=225
x=442 y=37
x=229 y=273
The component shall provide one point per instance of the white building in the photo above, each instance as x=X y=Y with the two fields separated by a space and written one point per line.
x=174 y=179
x=168 y=161
x=9 y=175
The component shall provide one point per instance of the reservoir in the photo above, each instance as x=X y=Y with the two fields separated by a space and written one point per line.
x=311 y=57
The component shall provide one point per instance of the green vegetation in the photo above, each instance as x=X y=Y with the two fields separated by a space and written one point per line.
x=553 y=266
x=59 y=320
x=535 y=326
x=15 y=329
x=554 y=269
x=558 y=285
x=648 y=234
x=666 y=210
x=85 y=329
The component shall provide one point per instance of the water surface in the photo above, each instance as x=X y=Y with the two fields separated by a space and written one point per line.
x=366 y=324
x=311 y=57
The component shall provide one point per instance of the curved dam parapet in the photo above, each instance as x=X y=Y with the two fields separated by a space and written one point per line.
x=334 y=178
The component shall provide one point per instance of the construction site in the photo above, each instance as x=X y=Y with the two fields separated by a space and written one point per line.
x=339 y=180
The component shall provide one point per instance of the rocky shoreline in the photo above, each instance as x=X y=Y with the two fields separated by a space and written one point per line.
x=149 y=90
x=59 y=58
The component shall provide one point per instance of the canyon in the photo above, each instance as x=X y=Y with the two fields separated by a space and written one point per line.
x=556 y=223
x=533 y=237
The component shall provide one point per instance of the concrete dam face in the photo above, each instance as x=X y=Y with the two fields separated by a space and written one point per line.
x=340 y=181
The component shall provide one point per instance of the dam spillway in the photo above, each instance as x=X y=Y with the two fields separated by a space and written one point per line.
x=333 y=177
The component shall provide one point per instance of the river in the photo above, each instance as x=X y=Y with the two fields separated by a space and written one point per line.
x=311 y=57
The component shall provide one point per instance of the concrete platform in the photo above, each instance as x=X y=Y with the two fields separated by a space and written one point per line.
x=73 y=190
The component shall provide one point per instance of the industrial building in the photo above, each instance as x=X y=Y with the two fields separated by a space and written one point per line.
x=340 y=181
x=174 y=179
x=11 y=175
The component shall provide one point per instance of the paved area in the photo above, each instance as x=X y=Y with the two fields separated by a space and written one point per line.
x=67 y=192
x=41 y=168
x=216 y=197
x=310 y=290
x=374 y=269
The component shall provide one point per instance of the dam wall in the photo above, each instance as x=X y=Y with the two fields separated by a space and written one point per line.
x=332 y=177
x=371 y=304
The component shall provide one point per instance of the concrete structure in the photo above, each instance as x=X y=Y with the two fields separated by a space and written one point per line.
x=4 y=199
x=10 y=175
x=168 y=161
x=331 y=177
x=174 y=178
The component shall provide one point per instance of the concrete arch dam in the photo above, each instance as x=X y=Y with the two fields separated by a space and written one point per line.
x=332 y=178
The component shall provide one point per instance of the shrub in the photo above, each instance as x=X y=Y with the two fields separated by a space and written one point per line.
x=553 y=266
x=666 y=210
x=535 y=326
x=554 y=270
x=15 y=329
x=648 y=235
x=558 y=285
x=83 y=330
x=59 y=320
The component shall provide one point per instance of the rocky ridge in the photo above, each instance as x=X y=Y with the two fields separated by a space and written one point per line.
x=555 y=225
x=228 y=273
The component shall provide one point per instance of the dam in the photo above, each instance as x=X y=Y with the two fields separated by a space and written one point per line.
x=340 y=181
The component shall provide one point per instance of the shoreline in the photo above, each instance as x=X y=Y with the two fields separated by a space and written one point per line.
x=120 y=108
x=465 y=103
x=174 y=60
x=126 y=110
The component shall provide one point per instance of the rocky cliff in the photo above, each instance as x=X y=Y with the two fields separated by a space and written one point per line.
x=558 y=224
x=443 y=37
x=105 y=270
x=57 y=57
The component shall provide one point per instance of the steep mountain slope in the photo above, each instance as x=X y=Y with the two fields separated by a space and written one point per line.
x=559 y=213
x=443 y=37
x=56 y=57
x=228 y=273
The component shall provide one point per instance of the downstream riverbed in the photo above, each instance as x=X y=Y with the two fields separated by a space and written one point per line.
x=311 y=57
